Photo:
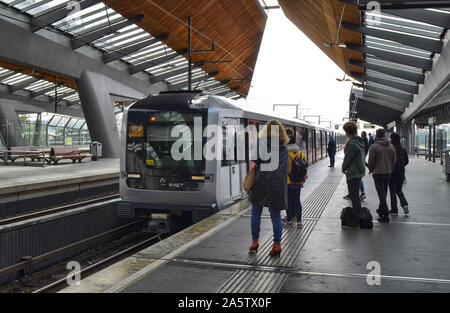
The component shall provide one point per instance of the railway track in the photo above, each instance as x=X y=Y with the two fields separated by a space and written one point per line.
x=87 y=271
x=24 y=217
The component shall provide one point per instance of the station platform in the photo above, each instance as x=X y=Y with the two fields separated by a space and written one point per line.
x=21 y=183
x=212 y=256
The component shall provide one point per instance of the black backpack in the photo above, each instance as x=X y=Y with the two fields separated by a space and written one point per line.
x=298 y=170
x=365 y=220
x=346 y=216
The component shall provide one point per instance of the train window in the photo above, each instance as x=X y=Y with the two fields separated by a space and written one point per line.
x=234 y=152
x=150 y=154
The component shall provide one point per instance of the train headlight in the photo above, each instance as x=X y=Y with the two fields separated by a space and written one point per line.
x=134 y=176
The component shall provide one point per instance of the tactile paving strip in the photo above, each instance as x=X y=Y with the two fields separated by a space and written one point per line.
x=293 y=240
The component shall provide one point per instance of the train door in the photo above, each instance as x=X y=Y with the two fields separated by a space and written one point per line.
x=326 y=143
x=238 y=168
x=321 y=145
x=301 y=140
x=317 y=145
x=310 y=146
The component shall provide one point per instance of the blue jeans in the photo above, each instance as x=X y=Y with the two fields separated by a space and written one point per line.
x=361 y=186
x=332 y=158
x=275 y=215
x=294 y=205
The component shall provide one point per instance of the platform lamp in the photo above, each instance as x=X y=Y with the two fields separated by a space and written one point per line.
x=336 y=43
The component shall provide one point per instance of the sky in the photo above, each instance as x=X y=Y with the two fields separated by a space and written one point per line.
x=291 y=69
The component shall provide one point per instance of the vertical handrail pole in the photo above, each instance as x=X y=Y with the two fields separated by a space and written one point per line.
x=189 y=55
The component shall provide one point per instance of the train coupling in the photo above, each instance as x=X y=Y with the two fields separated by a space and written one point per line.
x=159 y=224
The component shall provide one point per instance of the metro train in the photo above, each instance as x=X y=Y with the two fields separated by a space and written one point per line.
x=152 y=181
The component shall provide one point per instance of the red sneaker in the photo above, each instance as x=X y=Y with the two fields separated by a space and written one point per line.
x=276 y=249
x=254 y=247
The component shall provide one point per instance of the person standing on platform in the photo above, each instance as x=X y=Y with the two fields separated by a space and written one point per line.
x=398 y=176
x=294 y=204
x=332 y=150
x=270 y=187
x=382 y=157
x=354 y=169
x=371 y=140
x=366 y=151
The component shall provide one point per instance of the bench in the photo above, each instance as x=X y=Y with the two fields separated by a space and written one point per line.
x=65 y=153
x=17 y=152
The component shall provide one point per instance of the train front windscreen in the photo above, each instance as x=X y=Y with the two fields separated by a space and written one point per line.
x=160 y=151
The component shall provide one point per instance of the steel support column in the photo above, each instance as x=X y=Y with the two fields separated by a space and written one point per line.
x=95 y=93
x=12 y=131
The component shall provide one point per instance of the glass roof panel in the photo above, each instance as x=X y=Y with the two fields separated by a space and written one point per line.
x=94 y=18
x=72 y=123
x=55 y=120
x=63 y=121
x=13 y=79
x=8 y=1
x=393 y=19
x=370 y=83
x=79 y=123
x=373 y=60
x=388 y=44
x=389 y=77
x=47 y=7
x=26 y=3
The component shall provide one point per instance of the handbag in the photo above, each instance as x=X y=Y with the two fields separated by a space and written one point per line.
x=249 y=180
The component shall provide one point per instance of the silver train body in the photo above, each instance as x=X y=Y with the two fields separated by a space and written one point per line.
x=151 y=181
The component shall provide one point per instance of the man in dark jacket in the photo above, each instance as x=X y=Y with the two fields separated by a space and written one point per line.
x=371 y=140
x=354 y=169
x=382 y=157
x=332 y=150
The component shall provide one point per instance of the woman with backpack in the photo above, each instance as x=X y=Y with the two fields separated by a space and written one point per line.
x=398 y=176
x=270 y=186
x=294 y=187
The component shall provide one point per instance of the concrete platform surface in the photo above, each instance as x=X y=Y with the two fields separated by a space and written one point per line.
x=410 y=254
x=16 y=178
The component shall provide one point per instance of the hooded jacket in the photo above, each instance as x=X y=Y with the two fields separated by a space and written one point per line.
x=296 y=154
x=270 y=187
x=354 y=164
x=332 y=146
x=382 y=157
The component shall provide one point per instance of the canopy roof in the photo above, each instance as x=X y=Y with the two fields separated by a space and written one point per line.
x=388 y=48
